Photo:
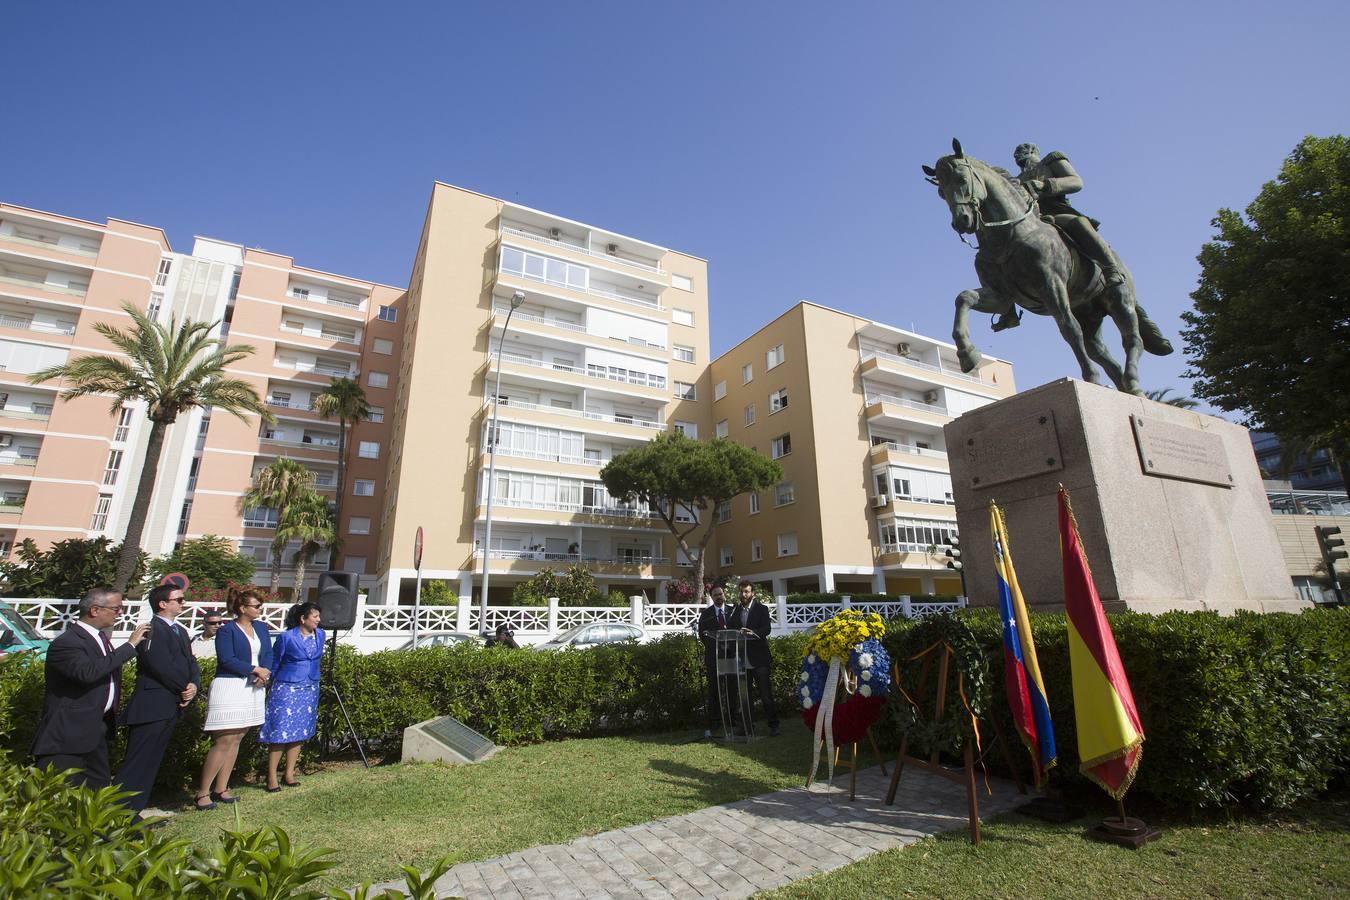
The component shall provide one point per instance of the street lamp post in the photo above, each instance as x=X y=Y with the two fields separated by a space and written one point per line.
x=516 y=300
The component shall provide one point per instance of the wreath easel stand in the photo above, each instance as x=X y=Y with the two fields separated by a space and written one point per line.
x=848 y=684
x=966 y=774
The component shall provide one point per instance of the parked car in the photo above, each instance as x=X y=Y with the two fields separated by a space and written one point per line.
x=442 y=639
x=17 y=635
x=593 y=635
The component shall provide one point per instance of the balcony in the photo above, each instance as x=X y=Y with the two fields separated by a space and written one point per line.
x=323 y=334
x=654 y=386
x=908 y=454
x=649 y=425
x=537 y=559
x=609 y=511
x=28 y=323
x=290 y=404
x=38 y=281
x=333 y=369
x=929 y=416
x=554 y=243
x=325 y=297
x=500 y=312
x=905 y=362
x=648 y=303
x=36 y=414
x=22 y=456
x=305 y=441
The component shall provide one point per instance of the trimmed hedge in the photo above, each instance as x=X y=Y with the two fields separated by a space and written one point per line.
x=1249 y=708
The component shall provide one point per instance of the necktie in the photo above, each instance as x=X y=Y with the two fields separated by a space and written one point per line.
x=116 y=681
x=721 y=618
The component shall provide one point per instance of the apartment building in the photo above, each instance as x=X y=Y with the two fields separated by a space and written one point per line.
x=608 y=348
x=853 y=411
x=70 y=468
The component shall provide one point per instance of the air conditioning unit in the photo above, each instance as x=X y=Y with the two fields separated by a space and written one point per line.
x=555 y=233
x=930 y=397
x=902 y=349
x=881 y=500
x=612 y=249
x=6 y=440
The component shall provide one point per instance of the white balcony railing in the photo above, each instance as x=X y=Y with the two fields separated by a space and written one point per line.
x=572 y=326
x=325 y=444
x=341 y=302
x=545 y=556
x=36 y=414
x=318 y=368
x=910 y=449
x=895 y=357
x=579 y=414
x=321 y=335
x=42 y=285
x=641 y=379
x=622 y=512
x=870 y=398
x=546 y=457
x=608 y=257
x=47 y=245
x=289 y=404
x=9 y=321
x=648 y=302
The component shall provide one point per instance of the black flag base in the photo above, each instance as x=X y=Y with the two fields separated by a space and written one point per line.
x=1123 y=830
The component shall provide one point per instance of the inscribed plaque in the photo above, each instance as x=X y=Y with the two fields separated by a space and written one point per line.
x=1167 y=450
x=1023 y=449
x=460 y=738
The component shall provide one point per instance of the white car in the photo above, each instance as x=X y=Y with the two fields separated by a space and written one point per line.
x=593 y=635
x=442 y=639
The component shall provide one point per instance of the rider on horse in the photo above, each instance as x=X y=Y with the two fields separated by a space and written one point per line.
x=1050 y=179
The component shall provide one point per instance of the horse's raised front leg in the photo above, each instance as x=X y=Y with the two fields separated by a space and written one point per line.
x=980 y=300
x=1057 y=296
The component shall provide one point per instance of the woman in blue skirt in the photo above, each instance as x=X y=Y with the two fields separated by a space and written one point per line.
x=293 y=702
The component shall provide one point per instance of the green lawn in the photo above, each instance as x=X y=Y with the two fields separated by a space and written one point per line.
x=396 y=815
x=1303 y=853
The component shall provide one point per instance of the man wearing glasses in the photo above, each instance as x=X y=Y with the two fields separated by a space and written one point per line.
x=204 y=647
x=84 y=681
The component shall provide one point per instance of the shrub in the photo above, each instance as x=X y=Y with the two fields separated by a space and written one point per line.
x=834 y=597
x=436 y=592
x=208 y=562
x=69 y=569
x=616 y=597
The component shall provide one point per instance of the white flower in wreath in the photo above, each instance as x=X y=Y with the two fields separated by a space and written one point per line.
x=866 y=675
x=805 y=677
x=865 y=660
x=811 y=658
x=865 y=690
x=807 y=703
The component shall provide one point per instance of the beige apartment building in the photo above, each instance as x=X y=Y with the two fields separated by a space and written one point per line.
x=69 y=468
x=853 y=411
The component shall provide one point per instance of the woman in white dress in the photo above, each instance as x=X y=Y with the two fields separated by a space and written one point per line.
x=238 y=698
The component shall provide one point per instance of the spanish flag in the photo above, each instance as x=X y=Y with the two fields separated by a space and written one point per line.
x=1109 y=733
x=1022 y=673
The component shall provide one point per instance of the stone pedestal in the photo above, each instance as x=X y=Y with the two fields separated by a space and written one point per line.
x=1169 y=502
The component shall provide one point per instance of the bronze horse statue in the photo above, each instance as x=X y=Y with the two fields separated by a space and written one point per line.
x=1026 y=261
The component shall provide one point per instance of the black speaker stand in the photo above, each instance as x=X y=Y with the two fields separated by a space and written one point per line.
x=351 y=729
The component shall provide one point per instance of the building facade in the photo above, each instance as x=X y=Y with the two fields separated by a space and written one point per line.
x=853 y=411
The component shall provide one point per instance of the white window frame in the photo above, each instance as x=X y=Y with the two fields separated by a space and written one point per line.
x=778 y=400
x=382 y=346
x=756 y=551
x=685 y=390
x=688 y=429
x=375 y=414
x=681 y=282
x=789 y=537
x=387 y=314
x=727 y=556
x=723 y=428
x=720 y=390
x=754 y=503
x=749 y=414
x=683 y=317
x=747 y=373
x=368 y=450
x=681 y=353
x=377 y=379
x=784 y=494
x=781 y=446
x=353 y=526
x=356 y=487
x=773 y=357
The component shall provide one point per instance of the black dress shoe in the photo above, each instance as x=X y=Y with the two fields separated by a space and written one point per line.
x=291 y=783
x=198 y=805
x=219 y=797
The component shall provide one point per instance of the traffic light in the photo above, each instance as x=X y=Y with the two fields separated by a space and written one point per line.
x=1328 y=544
x=954 y=553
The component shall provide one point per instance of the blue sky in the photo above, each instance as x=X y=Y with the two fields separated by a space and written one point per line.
x=781 y=141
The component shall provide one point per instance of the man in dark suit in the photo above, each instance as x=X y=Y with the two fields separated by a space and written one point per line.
x=711 y=620
x=752 y=617
x=84 y=680
x=167 y=680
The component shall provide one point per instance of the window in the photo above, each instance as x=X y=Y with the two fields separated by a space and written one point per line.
x=773 y=357
x=123 y=424
x=156 y=301
x=162 y=277
x=754 y=502
x=686 y=391
x=683 y=354
x=723 y=428
x=300 y=293
x=376 y=414
x=750 y=414
x=777 y=400
x=378 y=379
x=780 y=446
x=683 y=282
x=388 y=314
x=688 y=429
x=682 y=317
x=260 y=517
x=747 y=373
x=915 y=535
x=719 y=390
x=684 y=514
x=369 y=450
x=383 y=346
x=358 y=525
x=100 y=520
x=544 y=268
x=363 y=487
x=724 y=511
x=234 y=284
x=184 y=516
x=787 y=544
x=110 y=470
x=356 y=564
x=756 y=551
x=727 y=556
x=784 y=494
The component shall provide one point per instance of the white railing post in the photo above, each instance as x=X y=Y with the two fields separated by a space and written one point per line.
x=360 y=628
x=635 y=609
x=780 y=603
x=552 y=617
x=846 y=601
x=960 y=602
x=463 y=610
x=905 y=609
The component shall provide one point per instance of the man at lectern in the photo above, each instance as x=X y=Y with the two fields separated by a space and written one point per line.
x=752 y=617
x=713 y=619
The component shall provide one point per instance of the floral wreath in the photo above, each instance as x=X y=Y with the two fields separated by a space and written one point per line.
x=846 y=648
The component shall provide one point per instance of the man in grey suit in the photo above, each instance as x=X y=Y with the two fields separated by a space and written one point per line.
x=84 y=681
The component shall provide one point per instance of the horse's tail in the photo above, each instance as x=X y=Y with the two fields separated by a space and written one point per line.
x=1155 y=341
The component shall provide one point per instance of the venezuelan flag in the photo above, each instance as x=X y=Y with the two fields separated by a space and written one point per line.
x=1110 y=737
x=1022 y=673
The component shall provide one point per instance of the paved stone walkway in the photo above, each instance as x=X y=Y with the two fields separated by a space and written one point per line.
x=735 y=849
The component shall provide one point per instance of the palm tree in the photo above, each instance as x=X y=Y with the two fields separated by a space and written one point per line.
x=310 y=521
x=1178 y=401
x=345 y=399
x=281 y=485
x=171 y=369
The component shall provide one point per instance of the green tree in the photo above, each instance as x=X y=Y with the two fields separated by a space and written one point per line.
x=345 y=400
x=1161 y=397
x=673 y=472
x=308 y=520
x=577 y=587
x=437 y=592
x=208 y=562
x=67 y=570
x=171 y=369
x=280 y=485
x=1270 y=332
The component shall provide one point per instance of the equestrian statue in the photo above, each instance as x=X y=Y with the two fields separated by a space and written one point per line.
x=1037 y=252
